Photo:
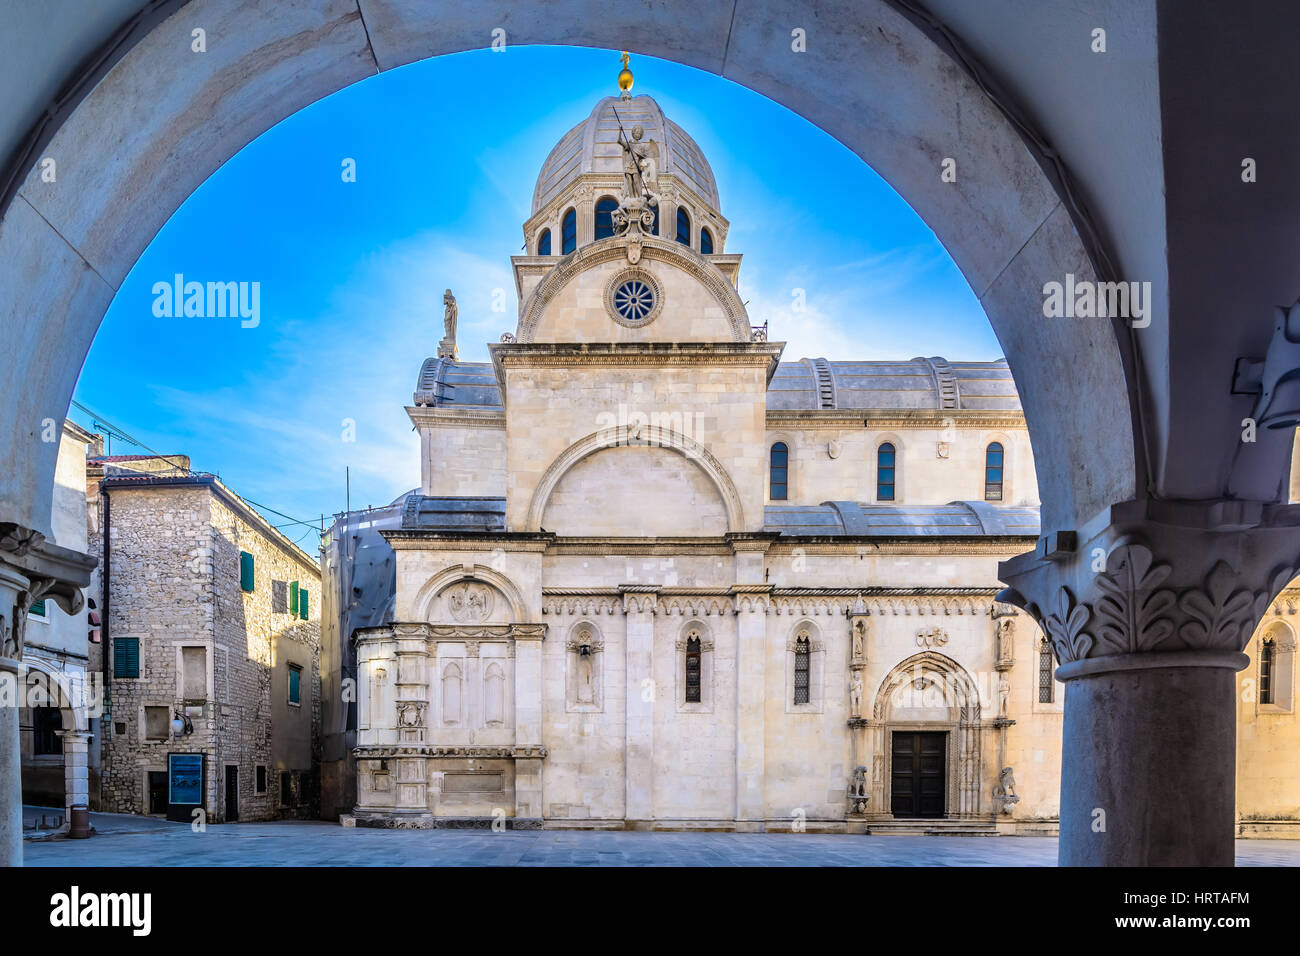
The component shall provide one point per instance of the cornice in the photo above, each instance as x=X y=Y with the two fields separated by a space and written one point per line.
x=894 y=418
x=416 y=539
x=383 y=751
x=436 y=416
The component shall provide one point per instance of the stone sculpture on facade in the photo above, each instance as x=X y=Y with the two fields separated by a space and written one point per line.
x=447 y=347
x=855 y=695
x=1005 y=790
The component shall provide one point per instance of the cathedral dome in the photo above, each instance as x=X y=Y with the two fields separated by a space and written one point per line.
x=592 y=147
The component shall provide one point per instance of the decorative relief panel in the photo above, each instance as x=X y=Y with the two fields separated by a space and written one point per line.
x=468 y=602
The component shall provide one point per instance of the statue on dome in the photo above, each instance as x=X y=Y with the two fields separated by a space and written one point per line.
x=447 y=347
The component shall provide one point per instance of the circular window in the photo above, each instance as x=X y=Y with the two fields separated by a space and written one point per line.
x=633 y=298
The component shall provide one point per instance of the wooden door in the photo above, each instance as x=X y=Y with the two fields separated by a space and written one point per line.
x=919 y=774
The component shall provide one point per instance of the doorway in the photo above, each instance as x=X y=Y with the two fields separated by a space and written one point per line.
x=232 y=793
x=919 y=773
x=157 y=791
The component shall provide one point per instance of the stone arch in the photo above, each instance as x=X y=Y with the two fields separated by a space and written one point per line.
x=653 y=249
x=933 y=672
x=74 y=713
x=140 y=132
x=429 y=591
x=625 y=435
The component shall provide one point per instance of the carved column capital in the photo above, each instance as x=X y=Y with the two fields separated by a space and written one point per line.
x=1141 y=587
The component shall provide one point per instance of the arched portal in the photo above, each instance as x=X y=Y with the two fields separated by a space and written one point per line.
x=926 y=709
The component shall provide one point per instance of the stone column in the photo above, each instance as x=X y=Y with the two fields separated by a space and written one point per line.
x=411 y=778
x=861 y=757
x=30 y=568
x=12 y=677
x=528 y=724
x=1147 y=612
x=76 y=784
x=641 y=696
x=751 y=703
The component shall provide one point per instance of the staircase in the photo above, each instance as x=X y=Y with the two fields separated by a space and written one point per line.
x=936 y=827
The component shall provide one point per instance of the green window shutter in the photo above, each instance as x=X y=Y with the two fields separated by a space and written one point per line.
x=38 y=607
x=245 y=570
x=295 y=685
x=126 y=657
x=293 y=597
x=302 y=603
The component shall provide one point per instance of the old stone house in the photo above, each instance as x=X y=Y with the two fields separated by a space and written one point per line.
x=211 y=648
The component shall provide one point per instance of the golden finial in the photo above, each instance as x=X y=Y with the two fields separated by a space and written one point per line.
x=624 y=75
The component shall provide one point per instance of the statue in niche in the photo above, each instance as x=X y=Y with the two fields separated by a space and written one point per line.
x=1006 y=631
x=859 y=638
x=447 y=347
x=1004 y=695
x=855 y=696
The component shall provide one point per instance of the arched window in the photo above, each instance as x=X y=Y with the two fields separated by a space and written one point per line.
x=569 y=232
x=706 y=242
x=885 y=472
x=779 y=472
x=802 y=655
x=605 y=217
x=693 y=669
x=683 y=226
x=1267 y=677
x=544 y=243
x=993 y=472
x=1046 y=688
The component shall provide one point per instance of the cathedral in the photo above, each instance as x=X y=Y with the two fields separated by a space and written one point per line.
x=658 y=575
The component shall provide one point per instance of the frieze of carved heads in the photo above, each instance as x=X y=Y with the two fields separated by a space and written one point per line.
x=1134 y=602
x=468 y=602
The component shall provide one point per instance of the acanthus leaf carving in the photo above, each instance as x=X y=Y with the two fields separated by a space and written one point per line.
x=1219 y=617
x=1065 y=627
x=1133 y=609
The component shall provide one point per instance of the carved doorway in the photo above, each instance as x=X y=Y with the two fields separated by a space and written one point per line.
x=919 y=774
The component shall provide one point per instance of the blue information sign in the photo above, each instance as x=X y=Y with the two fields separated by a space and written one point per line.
x=185 y=779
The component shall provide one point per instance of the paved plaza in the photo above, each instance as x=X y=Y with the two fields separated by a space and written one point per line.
x=142 y=841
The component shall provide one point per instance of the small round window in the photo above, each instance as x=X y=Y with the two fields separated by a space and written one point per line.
x=633 y=298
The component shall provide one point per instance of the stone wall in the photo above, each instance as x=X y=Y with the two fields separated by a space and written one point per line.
x=175 y=582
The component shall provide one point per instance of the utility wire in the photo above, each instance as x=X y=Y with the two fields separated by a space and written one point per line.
x=119 y=433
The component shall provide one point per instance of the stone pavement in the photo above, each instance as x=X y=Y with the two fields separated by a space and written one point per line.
x=124 y=840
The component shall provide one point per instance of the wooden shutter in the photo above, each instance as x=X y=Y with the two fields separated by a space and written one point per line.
x=293 y=597
x=302 y=604
x=245 y=571
x=126 y=657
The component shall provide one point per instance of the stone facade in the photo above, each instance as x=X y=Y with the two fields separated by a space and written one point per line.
x=658 y=577
x=212 y=655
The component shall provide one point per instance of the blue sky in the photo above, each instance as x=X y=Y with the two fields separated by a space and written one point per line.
x=447 y=151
